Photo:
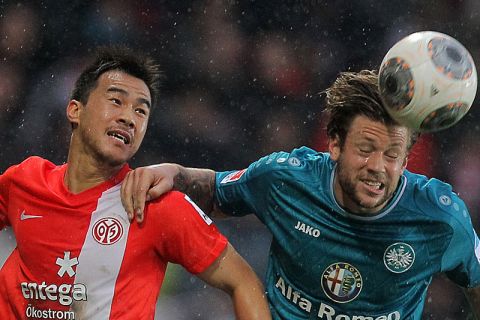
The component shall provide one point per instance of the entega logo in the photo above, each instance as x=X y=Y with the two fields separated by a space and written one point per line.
x=65 y=294
x=342 y=282
x=399 y=257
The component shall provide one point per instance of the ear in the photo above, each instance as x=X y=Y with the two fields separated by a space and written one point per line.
x=404 y=164
x=73 y=112
x=334 y=148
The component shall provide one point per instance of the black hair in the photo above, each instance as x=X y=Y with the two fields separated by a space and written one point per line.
x=118 y=58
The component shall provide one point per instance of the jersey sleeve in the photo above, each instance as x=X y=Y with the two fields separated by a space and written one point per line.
x=187 y=235
x=251 y=190
x=461 y=260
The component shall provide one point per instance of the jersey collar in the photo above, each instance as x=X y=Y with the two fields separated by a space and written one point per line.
x=95 y=191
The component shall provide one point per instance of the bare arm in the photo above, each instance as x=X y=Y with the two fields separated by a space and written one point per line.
x=473 y=297
x=231 y=273
x=198 y=184
x=147 y=183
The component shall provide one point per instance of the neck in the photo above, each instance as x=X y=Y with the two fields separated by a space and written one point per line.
x=85 y=171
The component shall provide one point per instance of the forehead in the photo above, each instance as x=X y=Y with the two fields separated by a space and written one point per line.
x=125 y=81
x=363 y=128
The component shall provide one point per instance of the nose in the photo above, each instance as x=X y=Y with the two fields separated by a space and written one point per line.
x=375 y=162
x=127 y=118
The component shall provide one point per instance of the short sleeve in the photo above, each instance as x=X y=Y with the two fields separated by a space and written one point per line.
x=187 y=235
x=461 y=260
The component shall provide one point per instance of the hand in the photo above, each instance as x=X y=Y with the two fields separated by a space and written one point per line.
x=145 y=184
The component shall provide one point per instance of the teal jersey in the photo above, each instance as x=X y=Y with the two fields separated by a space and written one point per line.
x=326 y=263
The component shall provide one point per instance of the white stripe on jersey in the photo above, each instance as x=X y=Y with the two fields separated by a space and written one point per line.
x=99 y=264
x=200 y=212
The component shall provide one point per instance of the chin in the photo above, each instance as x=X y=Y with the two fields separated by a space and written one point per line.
x=374 y=205
x=369 y=203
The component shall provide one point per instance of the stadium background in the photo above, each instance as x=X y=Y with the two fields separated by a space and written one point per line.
x=242 y=79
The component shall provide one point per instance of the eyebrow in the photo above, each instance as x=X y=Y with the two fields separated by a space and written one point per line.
x=370 y=140
x=124 y=92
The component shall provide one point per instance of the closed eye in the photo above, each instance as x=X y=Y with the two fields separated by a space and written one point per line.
x=365 y=151
x=393 y=153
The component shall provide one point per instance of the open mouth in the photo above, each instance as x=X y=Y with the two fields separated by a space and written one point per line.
x=120 y=135
x=374 y=185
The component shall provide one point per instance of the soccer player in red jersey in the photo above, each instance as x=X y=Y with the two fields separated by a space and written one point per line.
x=77 y=255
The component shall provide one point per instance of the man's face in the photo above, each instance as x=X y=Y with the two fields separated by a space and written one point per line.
x=113 y=122
x=369 y=164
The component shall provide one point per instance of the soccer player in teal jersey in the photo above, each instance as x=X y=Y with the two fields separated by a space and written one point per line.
x=355 y=235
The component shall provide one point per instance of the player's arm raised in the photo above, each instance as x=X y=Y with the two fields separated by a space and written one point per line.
x=148 y=183
x=473 y=297
x=231 y=273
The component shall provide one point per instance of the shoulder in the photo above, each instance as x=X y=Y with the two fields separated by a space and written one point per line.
x=436 y=199
x=175 y=206
x=430 y=192
x=295 y=158
x=36 y=163
x=280 y=163
x=166 y=202
x=30 y=166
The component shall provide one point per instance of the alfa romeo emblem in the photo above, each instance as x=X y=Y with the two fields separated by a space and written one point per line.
x=342 y=282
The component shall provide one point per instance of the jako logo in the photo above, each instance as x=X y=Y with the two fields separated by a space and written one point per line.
x=107 y=231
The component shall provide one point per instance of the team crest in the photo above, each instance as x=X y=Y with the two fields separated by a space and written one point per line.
x=399 y=257
x=107 y=231
x=342 y=282
x=234 y=176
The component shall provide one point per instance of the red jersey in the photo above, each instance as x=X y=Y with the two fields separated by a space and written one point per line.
x=79 y=257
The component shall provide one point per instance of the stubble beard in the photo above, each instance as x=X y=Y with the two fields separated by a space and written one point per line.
x=348 y=182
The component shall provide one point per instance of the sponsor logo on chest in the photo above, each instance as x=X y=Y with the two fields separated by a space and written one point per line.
x=326 y=311
x=64 y=293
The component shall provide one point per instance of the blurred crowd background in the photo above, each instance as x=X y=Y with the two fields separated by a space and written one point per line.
x=242 y=79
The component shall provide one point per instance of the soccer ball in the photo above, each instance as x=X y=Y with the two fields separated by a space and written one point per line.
x=427 y=81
